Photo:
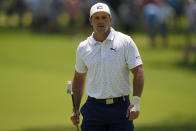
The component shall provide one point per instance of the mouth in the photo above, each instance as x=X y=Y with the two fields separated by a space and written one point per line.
x=100 y=26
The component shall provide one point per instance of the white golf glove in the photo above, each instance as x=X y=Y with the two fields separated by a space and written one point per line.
x=136 y=103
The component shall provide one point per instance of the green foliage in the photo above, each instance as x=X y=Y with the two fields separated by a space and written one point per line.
x=34 y=67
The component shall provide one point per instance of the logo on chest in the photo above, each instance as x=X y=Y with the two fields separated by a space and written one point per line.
x=113 y=49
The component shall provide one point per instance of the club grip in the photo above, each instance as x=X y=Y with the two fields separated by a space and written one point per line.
x=73 y=102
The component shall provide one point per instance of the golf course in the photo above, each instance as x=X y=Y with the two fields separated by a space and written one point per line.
x=35 y=66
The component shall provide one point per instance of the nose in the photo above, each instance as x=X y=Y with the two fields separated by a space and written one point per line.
x=100 y=21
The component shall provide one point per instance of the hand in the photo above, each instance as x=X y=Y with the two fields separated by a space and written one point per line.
x=75 y=118
x=132 y=113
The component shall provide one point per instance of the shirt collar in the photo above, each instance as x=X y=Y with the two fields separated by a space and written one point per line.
x=110 y=37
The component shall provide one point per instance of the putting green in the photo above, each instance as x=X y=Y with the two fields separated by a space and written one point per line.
x=33 y=68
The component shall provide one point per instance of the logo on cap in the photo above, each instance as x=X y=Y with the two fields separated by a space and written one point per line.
x=99 y=7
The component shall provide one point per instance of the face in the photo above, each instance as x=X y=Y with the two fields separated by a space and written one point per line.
x=101 y=22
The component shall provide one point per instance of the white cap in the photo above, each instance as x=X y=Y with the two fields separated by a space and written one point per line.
x=99 y=7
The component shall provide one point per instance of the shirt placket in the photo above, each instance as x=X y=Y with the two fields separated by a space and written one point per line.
x=103 y=55
x=102 y=62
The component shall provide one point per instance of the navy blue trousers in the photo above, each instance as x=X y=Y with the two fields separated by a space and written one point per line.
x=101 y=117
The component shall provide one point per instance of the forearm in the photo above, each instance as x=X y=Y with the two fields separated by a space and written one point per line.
x=78 y=88
x=138 y=82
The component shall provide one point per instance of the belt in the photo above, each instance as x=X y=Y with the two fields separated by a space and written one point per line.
x=110 y=100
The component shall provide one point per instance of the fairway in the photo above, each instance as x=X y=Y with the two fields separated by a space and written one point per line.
x=34 y=67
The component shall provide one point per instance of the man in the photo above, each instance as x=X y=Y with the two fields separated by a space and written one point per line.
x=107 y=57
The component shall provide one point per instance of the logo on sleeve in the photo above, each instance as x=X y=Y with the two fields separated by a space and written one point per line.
x=137 y=57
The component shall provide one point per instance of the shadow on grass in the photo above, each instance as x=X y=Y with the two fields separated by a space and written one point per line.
x=182 y=127
x=165 y=127
x=52 y=128
x=191 y=66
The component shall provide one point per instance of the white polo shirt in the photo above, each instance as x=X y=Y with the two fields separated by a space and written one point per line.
x=107 y=64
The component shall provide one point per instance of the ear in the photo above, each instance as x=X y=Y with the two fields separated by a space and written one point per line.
x=90 y=20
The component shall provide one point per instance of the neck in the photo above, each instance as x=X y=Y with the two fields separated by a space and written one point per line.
x=101 y=37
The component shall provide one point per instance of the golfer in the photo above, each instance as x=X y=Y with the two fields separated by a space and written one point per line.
x=107 y=57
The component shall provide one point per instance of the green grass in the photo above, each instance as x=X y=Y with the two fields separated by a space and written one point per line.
x=33 y=68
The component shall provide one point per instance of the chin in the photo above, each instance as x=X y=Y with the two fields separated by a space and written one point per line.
x=102 y=30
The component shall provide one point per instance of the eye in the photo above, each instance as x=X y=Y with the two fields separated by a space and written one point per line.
x=103 y=17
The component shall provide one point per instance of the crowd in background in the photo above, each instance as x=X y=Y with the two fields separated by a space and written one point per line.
x=54 y=15
x=126 y=13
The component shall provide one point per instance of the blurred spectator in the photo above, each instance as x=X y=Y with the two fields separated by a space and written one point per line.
x=178 y=6
x=190 y=10
x=73 y=9
x=40 y=10
x=151 y=12
x=114 y=4
x=56 y=7
x=16 y=7
x=126 y=15
x=165 y=13
x=1 y=5
x=138 y=4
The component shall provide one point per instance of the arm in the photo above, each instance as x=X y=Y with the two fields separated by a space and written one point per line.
x=78 y=87
x=78 y=90
x=138 y=80
x=138 y=83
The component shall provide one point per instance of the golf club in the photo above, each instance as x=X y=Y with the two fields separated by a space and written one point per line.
x=69 y=91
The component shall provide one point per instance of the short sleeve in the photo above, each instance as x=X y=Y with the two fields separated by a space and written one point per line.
x=80 y=65
x=132 y=55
